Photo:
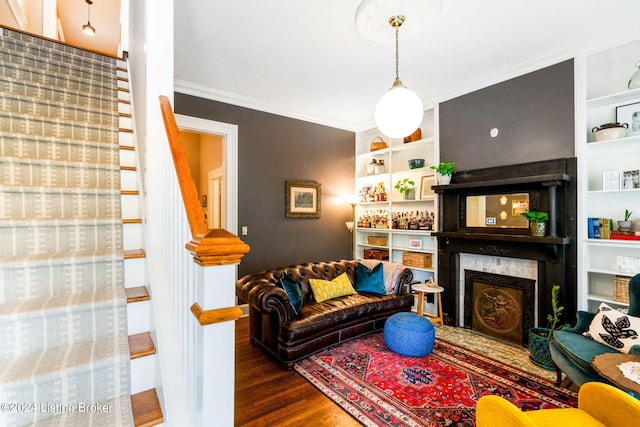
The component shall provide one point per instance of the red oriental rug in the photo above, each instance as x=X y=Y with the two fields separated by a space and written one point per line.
x=381 y=388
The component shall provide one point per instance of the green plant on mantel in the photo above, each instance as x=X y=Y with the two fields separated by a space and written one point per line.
x=405 y=186
x=534 y=216
x=444 y=168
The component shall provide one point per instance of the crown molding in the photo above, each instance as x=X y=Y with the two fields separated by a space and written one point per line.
x=188 y=88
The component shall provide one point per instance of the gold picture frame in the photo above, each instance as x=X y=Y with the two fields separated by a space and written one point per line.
x=302 y=199
x=426 y=192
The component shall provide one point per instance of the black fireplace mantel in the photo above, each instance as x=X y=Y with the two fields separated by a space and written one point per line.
x=551 y=186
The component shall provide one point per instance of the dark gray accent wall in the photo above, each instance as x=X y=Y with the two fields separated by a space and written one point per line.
x=533 y=113
x=271 y=150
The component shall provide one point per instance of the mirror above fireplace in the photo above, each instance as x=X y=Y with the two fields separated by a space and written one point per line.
x=497 y=210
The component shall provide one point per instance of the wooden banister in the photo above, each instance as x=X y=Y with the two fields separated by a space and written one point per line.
x=195 y=216
x=208 y=246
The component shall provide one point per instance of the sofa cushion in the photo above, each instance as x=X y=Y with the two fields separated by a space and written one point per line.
x=292 y=288
x=328 y=289
x=614 y=328
x=370 y=279
x=580 y=349
x=318 y=319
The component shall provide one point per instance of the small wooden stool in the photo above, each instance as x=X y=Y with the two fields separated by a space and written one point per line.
x=423 y=289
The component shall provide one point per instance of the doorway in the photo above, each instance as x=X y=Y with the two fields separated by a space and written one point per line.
x=212 y=152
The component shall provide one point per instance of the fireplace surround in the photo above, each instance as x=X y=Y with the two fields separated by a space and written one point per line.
x=551 y=187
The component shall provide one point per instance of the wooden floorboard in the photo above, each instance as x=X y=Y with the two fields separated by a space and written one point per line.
x=268 y=395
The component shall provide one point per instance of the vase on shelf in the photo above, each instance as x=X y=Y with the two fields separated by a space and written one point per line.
x=634 y=81
x=444 y=179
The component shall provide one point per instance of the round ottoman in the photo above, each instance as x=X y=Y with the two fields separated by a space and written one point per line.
x=409 y=334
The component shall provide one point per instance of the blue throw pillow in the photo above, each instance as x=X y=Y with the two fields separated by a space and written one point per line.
x=370 y=280
x=291 y=287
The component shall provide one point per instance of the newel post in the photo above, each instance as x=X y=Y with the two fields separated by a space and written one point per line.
x=216 y=253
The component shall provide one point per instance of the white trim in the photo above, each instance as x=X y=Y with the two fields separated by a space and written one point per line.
x=193 y=89
x=18 y=13
x=230 y=162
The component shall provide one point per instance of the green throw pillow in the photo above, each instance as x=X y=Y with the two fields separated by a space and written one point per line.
x=327 y=289
x=370 y=280
x=291 y=287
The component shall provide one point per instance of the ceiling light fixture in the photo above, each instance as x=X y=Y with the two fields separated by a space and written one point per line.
x=87 y=28
x=400 y=111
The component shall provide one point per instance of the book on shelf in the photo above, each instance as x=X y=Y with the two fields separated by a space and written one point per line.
x=624 y=235
x=599 y=228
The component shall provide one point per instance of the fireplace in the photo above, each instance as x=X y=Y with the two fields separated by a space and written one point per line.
x=499 y=306
x=548 y=186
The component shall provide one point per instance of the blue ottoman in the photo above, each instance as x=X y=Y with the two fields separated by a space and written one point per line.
x=409 y=334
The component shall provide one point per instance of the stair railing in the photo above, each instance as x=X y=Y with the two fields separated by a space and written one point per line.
x=207 y=337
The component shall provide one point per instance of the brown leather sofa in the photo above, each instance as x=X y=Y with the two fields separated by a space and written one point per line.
x=275 y=326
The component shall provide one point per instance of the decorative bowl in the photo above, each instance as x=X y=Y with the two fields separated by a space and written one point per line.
x=610 y=131
x=416 y=163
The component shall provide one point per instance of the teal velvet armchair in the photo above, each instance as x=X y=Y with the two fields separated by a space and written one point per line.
x=572 y=352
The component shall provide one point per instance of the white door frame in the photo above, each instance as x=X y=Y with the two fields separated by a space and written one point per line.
x=229 y=133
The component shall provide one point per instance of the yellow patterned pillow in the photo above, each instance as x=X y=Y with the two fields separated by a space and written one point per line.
x=327 y=289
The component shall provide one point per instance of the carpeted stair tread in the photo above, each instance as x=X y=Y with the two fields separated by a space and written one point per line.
x=48 y=44
x=53 y=73
x=42 y=126
x=49 y=147
x=61 y=258
x=57 y=222
x=19 y=104
x=16 y=76
x=58 y=190
x=40 y=377
x=59 y=304
x=59 y=236
x=109 y=413
x=56 y=173
x=58 y=94
x=110 y=166
x=38 y=90
x=31 y=52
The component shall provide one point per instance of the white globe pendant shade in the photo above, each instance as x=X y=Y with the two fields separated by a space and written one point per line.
x=399 y=112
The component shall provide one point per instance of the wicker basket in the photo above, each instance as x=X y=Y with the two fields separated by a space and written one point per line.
x=377 y=144
x=621 y=289
x=377 y=240
x=418 y=260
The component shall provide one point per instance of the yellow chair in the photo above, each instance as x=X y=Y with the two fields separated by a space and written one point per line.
x=599 y=404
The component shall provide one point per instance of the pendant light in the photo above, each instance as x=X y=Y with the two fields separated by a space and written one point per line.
x=400 y=111
x=87 y=28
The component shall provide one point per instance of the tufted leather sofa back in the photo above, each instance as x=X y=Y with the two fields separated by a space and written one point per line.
x=303 y=272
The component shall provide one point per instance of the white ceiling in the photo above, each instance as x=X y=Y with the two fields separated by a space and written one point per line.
x=305 y=59
x=105 y=18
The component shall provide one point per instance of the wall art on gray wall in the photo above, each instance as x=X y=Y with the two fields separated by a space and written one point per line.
x=302 y=199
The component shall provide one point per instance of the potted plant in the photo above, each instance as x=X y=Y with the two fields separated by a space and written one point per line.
x=626 y=225
x=407 y=188
x=445 y=170
x=537 y=222
x=539 y=338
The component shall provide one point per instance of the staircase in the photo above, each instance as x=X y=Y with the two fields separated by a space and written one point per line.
x=74 y=311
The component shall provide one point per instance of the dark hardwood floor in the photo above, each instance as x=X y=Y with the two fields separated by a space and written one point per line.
x=268 y=395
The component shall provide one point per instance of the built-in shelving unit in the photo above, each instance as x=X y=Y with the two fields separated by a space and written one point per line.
x=606 y=77
x=396 y=167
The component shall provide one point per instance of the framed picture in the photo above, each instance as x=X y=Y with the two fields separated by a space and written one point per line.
x=426 y=192
x=302 y=199
x=631 y=179
x=629 y=114
x=611 y=180
x=415 y=243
